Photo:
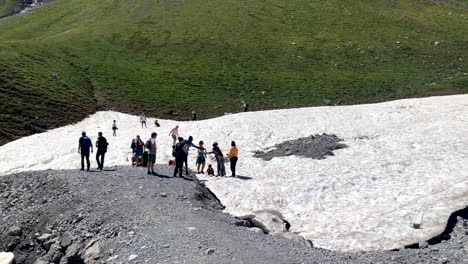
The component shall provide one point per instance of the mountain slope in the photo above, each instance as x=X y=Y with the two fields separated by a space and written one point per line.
x=170 y=57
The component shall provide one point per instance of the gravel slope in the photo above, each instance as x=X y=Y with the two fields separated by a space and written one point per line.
x=122 y=215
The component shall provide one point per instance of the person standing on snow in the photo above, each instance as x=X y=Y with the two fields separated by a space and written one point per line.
x=180 y=150
x=233 y=156
x=188 y=143
x=101 y=145
x=201 y=158
x=84 y=144
x=174 y=134
x=138 y=147
x=114 y=128
x=219 y=159
x=152 y=148
x=143 y=120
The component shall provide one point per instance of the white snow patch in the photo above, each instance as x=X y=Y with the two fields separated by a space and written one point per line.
x=405 y=159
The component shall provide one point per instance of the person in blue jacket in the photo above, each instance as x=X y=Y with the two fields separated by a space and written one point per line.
x=84 y=144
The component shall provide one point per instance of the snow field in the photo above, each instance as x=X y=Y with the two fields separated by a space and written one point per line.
x=404 y=159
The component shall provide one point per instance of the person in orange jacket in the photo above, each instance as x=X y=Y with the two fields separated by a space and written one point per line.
x=233 y=157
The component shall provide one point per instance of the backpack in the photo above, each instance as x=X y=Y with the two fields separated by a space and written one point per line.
x=102 y=143
x=133 y=146
x=148 y=144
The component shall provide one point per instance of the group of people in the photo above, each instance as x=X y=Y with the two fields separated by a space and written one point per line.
x=180 y=151
x=85 y=146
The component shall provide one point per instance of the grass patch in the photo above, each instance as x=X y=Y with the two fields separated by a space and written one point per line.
x=171 y=57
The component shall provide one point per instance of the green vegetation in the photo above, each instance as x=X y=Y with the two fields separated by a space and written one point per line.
x=170 y=57
x=6 y=7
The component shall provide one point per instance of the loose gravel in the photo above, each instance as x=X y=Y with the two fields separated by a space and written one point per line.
x=315 y=147
x=122 y=215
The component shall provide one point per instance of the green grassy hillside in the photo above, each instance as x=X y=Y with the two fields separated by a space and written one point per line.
x=169 y=57
x=6 y=7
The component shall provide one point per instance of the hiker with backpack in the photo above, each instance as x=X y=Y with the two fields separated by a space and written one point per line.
x=138 y=147
x=150 y=145
x=179 y=154
x=84 y=144
x=101 y=145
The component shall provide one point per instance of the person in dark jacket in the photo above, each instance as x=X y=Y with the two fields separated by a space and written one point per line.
x=188 y=143
x=219 y=160
x=101 y=145
x=84 y=144
x=180 y=150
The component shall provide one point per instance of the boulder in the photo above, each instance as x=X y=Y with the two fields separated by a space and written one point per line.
x=271 y=222
x=54 y=254
x=45 y=237
x=423 y=244
x=297 y=238
x=15 y=231
x=66 y=240
x=73 y=252
x=92 y=253
x=6 y=257
x=257 y=230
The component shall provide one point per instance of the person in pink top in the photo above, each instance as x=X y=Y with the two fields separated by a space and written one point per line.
x=174 y=134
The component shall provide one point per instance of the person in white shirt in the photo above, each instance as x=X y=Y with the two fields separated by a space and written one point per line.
x=143 y=120
x=152 y=149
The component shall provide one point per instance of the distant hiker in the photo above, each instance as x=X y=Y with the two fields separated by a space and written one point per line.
x=156 y=123
x=138 y=147
x=143 y=120
x=219 y=160
x=233 y=153
x=200 y=161
x=83 y=147
x=114 y=128
x=174 y=134
x=210 y=170
x=194 y=116
x=188 y=143
x=152 y=148
x=179 y=154
x=246 y=107
x=101 y=145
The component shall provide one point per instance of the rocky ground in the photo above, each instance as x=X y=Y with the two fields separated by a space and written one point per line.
x=315 y=147
x=122 y=215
